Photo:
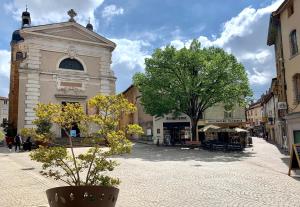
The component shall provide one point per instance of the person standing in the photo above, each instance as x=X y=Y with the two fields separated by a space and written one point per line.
x=27 y=145
x=18 y=142
x=9 y=142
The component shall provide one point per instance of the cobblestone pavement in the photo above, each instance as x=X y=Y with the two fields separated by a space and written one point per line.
x=168 y=177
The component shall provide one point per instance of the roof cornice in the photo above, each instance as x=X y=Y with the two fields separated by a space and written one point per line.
x=33 y=30
x=281 y=7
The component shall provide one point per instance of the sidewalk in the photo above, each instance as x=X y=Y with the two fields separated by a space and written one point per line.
x=178 y=176
x=21 y=185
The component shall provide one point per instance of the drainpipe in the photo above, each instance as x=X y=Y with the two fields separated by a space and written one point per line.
x=283 y=67
x=285 y=89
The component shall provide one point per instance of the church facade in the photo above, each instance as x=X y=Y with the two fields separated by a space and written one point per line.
x=56 y=63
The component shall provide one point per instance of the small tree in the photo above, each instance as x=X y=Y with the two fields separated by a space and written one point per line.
x=190 y=80
x=61 y=164
x=42 y=134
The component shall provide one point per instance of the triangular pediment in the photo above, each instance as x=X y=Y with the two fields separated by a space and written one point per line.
x=69 y=30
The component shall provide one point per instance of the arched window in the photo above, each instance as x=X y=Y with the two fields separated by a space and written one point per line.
x=71 y=64
x=19 y=56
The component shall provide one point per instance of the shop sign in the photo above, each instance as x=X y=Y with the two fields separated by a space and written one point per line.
x=225 y=121
x=149 y=132
x=281 y=105
x=176 y=118
x=73 y=133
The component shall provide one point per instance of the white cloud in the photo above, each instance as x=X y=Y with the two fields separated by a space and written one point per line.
x=241 y=25
x=259 y=78
x=4 y=63
x=4 y=71
x=111 y=11
x=259 y=56
x=178 y=44
x=132 y=53
x=245 y=36
x=43 y=12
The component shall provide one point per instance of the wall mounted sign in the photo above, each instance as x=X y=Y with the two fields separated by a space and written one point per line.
x=73 y=133
x=176 y=118
x=281 y=105
x=225 y=121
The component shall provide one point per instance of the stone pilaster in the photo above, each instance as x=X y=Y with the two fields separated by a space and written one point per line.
x=107 y=75
x=105 y=87
x=32 y=94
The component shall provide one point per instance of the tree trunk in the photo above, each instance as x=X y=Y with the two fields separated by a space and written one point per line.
x=194 y=123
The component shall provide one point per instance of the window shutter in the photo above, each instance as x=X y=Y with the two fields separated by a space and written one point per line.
x=293 y=42
x=298 y=87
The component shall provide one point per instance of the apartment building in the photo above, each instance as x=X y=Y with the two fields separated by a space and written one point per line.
x=284 y=34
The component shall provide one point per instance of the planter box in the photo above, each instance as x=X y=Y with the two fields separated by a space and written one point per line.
x=82 y=196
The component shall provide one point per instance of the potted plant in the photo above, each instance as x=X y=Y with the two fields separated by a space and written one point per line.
x=85 y=173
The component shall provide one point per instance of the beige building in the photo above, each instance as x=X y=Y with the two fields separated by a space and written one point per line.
x=3 y=109
x=272 y=121
x=284 y=33
x=255 y=114
x=56 y=63
x=179 y=127
x=217 y=115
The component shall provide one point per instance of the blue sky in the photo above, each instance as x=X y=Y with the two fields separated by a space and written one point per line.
x=140 y=26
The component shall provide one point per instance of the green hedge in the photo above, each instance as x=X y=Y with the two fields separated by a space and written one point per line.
x=1 y=135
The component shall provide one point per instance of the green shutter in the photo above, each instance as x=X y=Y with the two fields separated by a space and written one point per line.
x=297 y=137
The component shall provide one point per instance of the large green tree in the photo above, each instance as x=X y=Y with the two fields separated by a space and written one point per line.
x=190 y=80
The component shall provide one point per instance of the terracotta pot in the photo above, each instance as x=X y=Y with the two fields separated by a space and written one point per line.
x=82 y=196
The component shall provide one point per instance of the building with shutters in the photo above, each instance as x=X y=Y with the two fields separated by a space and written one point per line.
x=284 y=34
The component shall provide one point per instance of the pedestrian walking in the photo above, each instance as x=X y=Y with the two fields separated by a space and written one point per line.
x=18 y=142
x=9 y=142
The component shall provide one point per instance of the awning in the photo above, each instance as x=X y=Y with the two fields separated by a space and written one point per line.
x=208 y=127
x=240 y=130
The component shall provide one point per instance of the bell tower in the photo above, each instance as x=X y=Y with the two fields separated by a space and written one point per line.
x=26 y=20
x=89 y=26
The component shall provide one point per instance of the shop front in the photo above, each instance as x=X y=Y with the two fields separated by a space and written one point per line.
x=176 y=133
x=171 y=130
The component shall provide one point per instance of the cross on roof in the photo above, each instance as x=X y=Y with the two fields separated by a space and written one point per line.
x=72 y=14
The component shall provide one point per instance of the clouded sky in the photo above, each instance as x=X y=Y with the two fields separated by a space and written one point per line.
x=140 y=26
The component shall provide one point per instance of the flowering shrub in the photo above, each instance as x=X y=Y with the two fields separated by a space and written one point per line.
x=87 y=168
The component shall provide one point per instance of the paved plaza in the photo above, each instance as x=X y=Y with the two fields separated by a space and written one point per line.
x=167 y=177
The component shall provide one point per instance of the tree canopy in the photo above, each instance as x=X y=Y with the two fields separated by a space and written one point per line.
x=190 y=80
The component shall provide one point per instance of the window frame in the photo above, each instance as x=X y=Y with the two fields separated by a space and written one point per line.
x=71 y=70
x=228 y=114
x=19 y=56
x=294 y=50
x=296 y=82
